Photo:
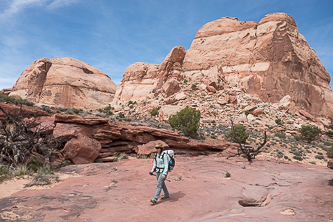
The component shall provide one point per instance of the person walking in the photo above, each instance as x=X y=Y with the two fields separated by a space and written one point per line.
x=160 y=166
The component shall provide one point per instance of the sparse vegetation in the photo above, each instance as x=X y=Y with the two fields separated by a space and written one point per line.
x=107 y=110
x=120 y=156
x=194 y=86
x=280 y=134
x=329 y=152
x=13 y=100
x=186 y=120
x=154 y=112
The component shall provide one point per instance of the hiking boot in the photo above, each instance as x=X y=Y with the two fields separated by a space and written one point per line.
x=165 y=198
x=152 y=201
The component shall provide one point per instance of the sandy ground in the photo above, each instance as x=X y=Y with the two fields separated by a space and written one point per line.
x=198 y=187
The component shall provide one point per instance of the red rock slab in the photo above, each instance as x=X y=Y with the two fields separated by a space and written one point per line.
x=199 y=191
x=27 y=110
x=86 y=120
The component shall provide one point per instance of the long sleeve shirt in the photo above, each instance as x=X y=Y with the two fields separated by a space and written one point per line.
x=161 y=163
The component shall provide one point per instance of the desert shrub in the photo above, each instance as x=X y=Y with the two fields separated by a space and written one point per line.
x=107 y=110
x=227 y=174
x=77 y=111
x=69 y=111
x=154 y=112
x=280 y=134
x=329 y=133
x=22 y=170
x=309 y=133
x=46 y=108
x=194 y=86
x=186 y=120
x=300 y=158
x=297 y=138
x=237 y=134
x=13 y=100
x=278 y=121
x=319 y=157
x=121 y=115
x=329 y=152
x=246 y=112
x=131 y=103
x=120 y=156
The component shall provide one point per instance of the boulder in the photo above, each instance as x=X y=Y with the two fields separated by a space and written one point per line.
x=149 y=148
x=171 y=87
x=285 y=102
x=223 y=101
x=211 y=89
x=330 y=164
x=180 y=96
x=258 y=112
x=249 y=108
x=82 y=150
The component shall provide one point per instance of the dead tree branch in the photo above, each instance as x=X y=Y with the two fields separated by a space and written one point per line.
x=23 y=139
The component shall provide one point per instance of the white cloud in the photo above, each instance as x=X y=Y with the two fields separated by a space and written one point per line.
x=17 y=5
x=61 y=3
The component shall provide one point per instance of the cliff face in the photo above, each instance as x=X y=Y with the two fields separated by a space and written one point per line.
x=141 y=79
x=270 y=58
x=65 y=82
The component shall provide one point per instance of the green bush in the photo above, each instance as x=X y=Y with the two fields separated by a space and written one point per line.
x=309 y=133
x=154 y=112
x=329 y=152
x=131 y=103
x=121 y=115
x=186 y=120
x=278 y=121
x=227 y=175
x=107 y=110
x=195 y=85
x=246 y=112
x=280 y=134
x=237 y=134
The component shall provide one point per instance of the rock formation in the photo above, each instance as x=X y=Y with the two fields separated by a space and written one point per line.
x=65 y=82
x=143 y=79
x=270 y=59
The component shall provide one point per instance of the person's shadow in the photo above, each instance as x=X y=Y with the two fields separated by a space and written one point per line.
x=176 y=196
x=330 y=182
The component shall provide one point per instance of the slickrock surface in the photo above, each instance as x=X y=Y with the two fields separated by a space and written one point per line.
x=199 y=191
x=65 y=82
x=270 y=59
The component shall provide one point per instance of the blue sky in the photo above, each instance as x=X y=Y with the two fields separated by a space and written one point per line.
x=113 y=34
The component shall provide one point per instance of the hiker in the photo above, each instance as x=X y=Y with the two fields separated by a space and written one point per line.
x=161 y=168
